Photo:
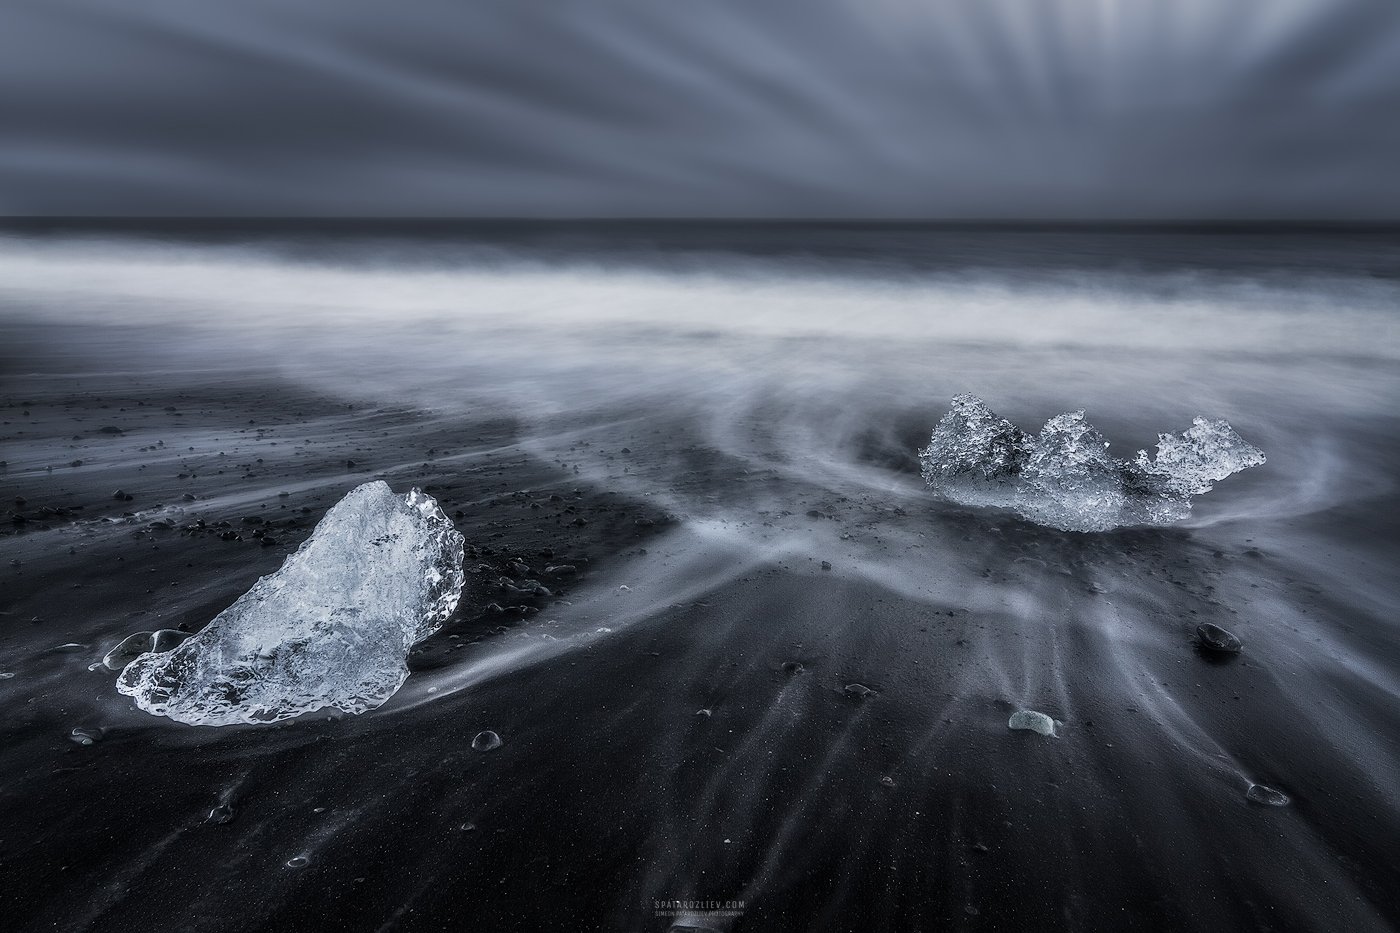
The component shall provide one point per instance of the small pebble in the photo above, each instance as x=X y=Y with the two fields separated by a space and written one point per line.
x=1032 y=721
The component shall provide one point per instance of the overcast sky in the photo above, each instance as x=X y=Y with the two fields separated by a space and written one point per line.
x=791 y=108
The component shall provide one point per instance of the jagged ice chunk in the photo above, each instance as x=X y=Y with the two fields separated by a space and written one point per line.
x=975 y=453
x=331 y=628
x=1065 y=477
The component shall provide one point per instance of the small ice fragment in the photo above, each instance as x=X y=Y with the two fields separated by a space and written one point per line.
x=704 y=712
x=1212 y=638
x=624 y=588
x=1065 y=478
x=486 y=741
x=1031 y=720
x=858 y=691
x=298 y=861
x=792 y=667
x=887 y=781
x=86 y=735
x=1262 y=793
x=974 y=451
x=331 y=628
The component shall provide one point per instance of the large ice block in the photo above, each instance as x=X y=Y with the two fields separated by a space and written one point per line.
x=330 y=629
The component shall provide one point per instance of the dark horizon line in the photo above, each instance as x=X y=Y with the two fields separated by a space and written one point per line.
x=1144 y=224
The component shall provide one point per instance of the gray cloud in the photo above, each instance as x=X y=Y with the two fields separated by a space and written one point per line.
x=900 y=108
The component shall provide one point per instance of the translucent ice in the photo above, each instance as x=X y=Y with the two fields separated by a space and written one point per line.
x=1065 y=477
x=1263 y=793
x=331 y=628
x=975 y=457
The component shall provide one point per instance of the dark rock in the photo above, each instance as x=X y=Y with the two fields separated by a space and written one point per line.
x=1214 y=639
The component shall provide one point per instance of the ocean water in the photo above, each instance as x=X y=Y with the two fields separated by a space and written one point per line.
x=680 y=729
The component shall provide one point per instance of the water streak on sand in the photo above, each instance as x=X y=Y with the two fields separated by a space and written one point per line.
x=762 y=414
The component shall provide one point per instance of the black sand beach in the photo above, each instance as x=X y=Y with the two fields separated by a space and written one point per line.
x=738 y=495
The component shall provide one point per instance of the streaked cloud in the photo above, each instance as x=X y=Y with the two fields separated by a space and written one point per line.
x=959 y=108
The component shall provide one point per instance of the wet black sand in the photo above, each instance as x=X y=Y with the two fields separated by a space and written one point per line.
x=675 y=716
